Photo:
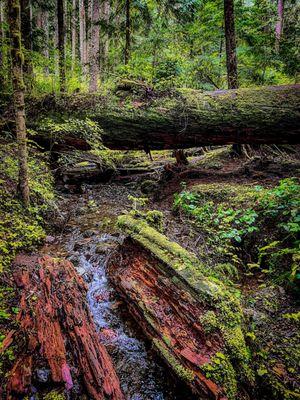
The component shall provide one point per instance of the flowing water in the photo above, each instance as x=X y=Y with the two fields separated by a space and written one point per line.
x=143 y=376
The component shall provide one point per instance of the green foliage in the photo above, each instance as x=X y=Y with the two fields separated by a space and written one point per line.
x=172 y=44
x=20 y=228
x=230 y=216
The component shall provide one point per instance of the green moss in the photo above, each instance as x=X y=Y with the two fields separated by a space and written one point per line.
x=293 y=317
x=182 y=372
x=169 y=252
x=54 y=395
x=167 y=340
x=220 y=370
x=155 y=219
x=56 y=129
x=209 y=321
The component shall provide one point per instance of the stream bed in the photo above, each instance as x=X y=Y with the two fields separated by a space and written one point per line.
x=88 y=241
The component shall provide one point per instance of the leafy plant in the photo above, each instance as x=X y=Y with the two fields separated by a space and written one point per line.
x=233 y=220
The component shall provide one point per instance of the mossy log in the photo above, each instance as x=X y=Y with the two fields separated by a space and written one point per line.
x=186 y=118
x=193 y=321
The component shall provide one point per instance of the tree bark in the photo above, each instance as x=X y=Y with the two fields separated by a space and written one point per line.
x=26 y=29
x=105 y=14
x=73 y=28
x=61 y=44
x=127 y=33
x=190 y=118
x=2 y=36
x=45 y=17
x=94 y=47
x=42 y=22
x=89 y=31
x=231 y=59
x=149 y=266
x=278 y=28
x=64 y=337
x=82 y=36
x=14 y=10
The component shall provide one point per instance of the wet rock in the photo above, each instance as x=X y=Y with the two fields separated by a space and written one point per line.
x=75 y=258
x=105 y=247
x=81 y=245
x=50 y=239
x=89 y=233
x=42 y=375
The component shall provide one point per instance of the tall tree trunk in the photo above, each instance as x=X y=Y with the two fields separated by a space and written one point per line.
x=2 y=37
x=116 y=40
x=26 y=29
x=45 y=17
x=14 y=10
x=127 y=33
x=279 y=24
x=231 y=59
x=61 y=44
x=105 y=14
x=73 y=28
x=42 y=21
x=89 y=25
x=94 y=47
x=82 y=36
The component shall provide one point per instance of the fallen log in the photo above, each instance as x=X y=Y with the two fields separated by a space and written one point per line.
x=60 y=332
x=184 y=119
x=193 y=321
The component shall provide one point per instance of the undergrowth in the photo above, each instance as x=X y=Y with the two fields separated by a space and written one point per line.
x=22 y=228
x=252 y=228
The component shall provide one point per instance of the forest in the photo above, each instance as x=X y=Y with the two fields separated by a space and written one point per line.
x=149 y=199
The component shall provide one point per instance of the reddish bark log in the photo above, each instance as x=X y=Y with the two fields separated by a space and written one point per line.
x=169 y=315
x=54 y=316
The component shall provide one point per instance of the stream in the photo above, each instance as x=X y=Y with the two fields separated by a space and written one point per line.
x=88 y=240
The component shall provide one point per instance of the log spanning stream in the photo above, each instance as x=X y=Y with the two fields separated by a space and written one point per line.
x=142 y=375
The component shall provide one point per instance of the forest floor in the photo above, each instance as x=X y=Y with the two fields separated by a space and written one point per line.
x=82 y=228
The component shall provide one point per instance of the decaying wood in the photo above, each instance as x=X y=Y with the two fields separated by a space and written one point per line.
x=60 y=331
x=166 y=312
x=169 y=295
